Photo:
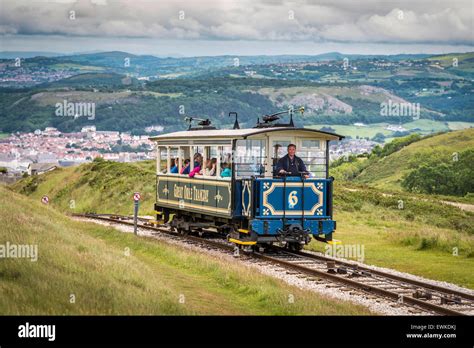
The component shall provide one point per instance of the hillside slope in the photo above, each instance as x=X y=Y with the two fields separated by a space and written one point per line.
x=411 y=239
x=387 y=173
x=83 y=268
x=101 y=186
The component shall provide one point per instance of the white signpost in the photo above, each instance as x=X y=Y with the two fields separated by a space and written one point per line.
x=136 y=199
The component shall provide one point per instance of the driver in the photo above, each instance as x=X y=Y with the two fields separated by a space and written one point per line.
x=290 y=164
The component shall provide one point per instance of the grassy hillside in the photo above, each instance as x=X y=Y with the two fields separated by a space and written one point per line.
x=109 y=272
x=102 y=186
x=422 y=126
x=387 y=172
x=411 y=239
x=411 y=233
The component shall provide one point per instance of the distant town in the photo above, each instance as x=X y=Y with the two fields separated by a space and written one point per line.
x=45 y=150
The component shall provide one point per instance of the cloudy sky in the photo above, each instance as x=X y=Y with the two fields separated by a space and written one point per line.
x=237 y=27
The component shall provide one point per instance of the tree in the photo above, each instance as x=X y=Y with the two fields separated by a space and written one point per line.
x=379 y=138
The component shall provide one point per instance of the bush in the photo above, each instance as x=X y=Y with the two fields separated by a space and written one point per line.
x=443 y=176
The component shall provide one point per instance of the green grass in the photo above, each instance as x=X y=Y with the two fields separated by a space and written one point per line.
x=387 y=173
x=369 y=130
x=77 y=66
x=418 y=239
x=422 y=126
x=110 y=272
x=105 y=187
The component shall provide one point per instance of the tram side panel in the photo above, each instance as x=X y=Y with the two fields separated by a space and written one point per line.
x=208 y=197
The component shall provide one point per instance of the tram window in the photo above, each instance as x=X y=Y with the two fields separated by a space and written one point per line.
x=249 y=158
x=280 y=148
x=174 y=161
x=163 y=159
x=314 y=157
x=225 y=162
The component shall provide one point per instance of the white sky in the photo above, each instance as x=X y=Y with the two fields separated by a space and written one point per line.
x=245 y=27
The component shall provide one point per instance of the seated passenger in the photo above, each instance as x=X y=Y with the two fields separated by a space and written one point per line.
x=226 y=172
x=185 y=169
x=197 y=165
x=211 y=166
x=174 y=166
x=291 y=164
x=205 y=170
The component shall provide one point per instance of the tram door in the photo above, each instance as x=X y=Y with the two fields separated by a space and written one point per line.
x=278 y=149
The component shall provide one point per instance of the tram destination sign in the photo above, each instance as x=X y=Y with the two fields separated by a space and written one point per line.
x=209 y=195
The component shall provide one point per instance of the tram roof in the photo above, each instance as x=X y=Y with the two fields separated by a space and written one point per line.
x=241 y=133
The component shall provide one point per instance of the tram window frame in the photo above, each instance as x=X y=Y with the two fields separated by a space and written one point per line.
x=314 y=156
x=162 y=162
x=174 y=153
x=255 y=153
x=208 y=153
x=226 y=155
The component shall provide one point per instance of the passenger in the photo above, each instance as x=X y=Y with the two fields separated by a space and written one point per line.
x=211 y=167
x=185 y=169
x=174 y=166
x=205 y=170
x=226 y=172
x=291 y=164
x=197 y=165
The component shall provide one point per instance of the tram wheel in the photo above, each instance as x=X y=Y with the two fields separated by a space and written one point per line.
x=295 y=246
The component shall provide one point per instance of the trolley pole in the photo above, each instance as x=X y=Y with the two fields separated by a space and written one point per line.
x=136 y=199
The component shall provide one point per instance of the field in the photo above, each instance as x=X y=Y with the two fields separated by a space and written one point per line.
x=51 y=98
x=83 y=268
x=421 y=126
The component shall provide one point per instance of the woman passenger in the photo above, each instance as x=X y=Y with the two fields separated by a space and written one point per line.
x=197 y=165
x=226 y=172
x=185 y=169
x=174 y=166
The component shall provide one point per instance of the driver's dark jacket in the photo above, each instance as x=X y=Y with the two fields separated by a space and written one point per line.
x=294 y=167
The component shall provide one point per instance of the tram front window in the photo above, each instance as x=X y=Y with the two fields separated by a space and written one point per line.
x=249 y=158
x=279 y=149
x=314 y=156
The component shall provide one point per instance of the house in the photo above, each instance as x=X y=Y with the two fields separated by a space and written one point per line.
x=40 y=168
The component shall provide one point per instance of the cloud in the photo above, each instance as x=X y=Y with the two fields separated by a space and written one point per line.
x=370 y=21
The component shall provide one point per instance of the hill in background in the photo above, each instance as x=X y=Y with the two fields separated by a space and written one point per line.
x=387 y=171
x=132 y=92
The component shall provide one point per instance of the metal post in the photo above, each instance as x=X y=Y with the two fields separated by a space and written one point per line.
x=135 y=217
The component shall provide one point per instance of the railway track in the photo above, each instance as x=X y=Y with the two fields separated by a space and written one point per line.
x=421 y=296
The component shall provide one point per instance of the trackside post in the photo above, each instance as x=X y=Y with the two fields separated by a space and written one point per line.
x=136 y=199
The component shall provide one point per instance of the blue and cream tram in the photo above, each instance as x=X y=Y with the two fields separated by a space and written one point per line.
x=252 y=206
